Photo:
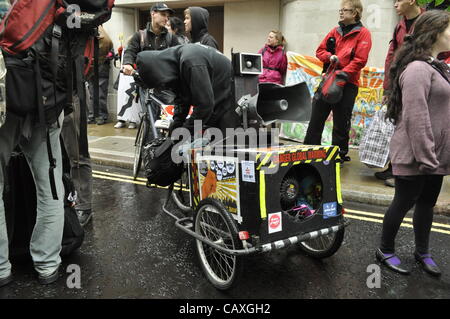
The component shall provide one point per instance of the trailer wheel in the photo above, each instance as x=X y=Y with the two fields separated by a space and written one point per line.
x=323 y=246
x=180 y=197
x=214 y=222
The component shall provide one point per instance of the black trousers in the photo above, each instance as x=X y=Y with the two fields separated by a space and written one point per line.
x=421 y=191
x=342 y=115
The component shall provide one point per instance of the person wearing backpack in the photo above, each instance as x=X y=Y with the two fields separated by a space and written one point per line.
x=274 y=58
x=42 y=57
x=154 y=37
x=410 y=10
x=196 y=23
x=24 y=130
x=353 y=45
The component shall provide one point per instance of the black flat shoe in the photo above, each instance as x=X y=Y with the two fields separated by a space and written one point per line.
x=6 y=280
x=47 y=280
x=429 y=268
x=385 y=261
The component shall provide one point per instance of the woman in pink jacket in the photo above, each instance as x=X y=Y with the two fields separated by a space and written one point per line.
x=274 y=58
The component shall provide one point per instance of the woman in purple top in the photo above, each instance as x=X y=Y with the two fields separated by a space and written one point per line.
x=274 y=58
x=419 y=105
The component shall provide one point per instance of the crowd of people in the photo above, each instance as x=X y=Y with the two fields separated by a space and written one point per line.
x=199 y=75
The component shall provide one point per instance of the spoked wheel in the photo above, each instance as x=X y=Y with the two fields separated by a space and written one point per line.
x=323 y=246
x=214 y=223
x=141 y=138
x=181 y=197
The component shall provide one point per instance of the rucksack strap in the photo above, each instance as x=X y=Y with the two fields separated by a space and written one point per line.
x=143 y=39
x=169 y=38
x=83 y=146
x=54 y=52
x=96 y=100
x=51 y=170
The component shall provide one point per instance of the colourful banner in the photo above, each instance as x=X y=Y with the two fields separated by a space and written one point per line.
x=308 y=69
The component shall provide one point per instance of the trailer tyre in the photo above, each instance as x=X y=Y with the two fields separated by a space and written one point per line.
x=214 y=222
x=324 y=246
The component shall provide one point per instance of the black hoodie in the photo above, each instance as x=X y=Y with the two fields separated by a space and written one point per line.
x=199 y=75
x=199 y=24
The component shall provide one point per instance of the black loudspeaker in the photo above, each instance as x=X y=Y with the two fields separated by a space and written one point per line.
x=247 y=63
x=276 y=102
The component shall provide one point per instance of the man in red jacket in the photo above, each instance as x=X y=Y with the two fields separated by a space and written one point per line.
x=410 y=10
x=352 y=46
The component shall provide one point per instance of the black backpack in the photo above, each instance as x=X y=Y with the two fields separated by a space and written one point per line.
x=20 y=208
x=158 y=165
x=45 y=58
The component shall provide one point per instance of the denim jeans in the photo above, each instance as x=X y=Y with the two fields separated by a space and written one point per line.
x=47 y=234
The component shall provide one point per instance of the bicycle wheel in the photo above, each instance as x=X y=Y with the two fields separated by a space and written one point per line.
x=181 y=197
x=323 y=246
x=214 y=223
x=141 y=138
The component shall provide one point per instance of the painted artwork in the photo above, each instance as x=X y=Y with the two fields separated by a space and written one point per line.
x=308 y=69
x=219 y=179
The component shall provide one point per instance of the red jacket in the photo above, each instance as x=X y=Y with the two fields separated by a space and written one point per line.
x=394 y=44
x=274 y=64
x=352 y=50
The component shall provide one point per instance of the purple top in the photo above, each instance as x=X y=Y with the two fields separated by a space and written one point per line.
x=421 y=141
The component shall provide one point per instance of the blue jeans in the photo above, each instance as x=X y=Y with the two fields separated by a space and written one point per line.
x=47 y=234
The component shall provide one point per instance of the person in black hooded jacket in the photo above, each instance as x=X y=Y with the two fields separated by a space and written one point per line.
x=196 y=22
x=200 y=76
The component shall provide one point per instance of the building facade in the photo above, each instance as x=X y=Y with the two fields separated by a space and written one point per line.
x=243 y=25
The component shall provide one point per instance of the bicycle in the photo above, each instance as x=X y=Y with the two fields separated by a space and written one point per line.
x=148 y=129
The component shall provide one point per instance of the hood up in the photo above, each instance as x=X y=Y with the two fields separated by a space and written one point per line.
x=159 y=69
x=199 y=22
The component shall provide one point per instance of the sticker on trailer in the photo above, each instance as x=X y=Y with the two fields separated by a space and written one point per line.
x=329 y=210
x=248 y=171
x=275 y=223
x=219 y=179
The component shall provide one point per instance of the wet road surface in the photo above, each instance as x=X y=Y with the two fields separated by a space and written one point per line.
x=133 y=250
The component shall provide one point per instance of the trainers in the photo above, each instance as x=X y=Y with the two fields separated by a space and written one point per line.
x=120 y=124
x=49 y=279
x=91 y=121
x=100 y=121
x=384 y=175
x=6 y=280
x=132 y=125
x=84 y=216
x=390 y=182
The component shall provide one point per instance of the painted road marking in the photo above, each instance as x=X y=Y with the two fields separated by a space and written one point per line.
x=350 y=213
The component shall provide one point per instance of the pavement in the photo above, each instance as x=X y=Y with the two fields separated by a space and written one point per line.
x=115 y=147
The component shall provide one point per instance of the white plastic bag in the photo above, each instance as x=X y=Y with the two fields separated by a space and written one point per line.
x=374 y=145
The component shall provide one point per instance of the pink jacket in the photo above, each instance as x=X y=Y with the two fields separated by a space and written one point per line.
x=274 y=64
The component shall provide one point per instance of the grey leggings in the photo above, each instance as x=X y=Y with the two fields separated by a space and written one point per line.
x=421 y=191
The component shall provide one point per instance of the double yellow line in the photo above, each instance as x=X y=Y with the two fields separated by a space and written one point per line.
x=378 y=218
x=350 y=213
x=128 y=179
